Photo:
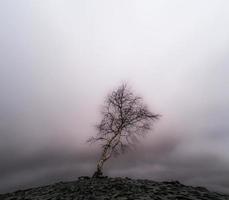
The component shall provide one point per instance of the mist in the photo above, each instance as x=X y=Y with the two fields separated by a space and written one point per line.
x=59 y=60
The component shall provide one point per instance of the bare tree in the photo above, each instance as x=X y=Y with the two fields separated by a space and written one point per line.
x=125 y=117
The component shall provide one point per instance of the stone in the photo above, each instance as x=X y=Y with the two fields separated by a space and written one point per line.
x=107 y=188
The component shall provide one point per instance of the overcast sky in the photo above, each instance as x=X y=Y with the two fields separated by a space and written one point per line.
x=60 y=58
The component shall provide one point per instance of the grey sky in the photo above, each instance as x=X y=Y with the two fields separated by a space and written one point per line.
x=58 y=60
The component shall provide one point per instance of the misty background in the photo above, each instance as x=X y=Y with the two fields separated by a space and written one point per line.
x=60 y=58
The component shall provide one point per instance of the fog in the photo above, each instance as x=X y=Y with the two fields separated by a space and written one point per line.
x=60 y=58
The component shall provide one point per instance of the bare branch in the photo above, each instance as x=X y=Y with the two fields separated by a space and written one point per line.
x=125 y=118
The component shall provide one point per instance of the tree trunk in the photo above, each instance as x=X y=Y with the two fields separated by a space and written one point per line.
x=107 y=151
x=105 y=156
x=98 y=173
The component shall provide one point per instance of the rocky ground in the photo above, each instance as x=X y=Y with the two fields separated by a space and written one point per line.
x=86 y=188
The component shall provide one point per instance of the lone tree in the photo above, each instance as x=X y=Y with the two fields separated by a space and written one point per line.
x=125 y=118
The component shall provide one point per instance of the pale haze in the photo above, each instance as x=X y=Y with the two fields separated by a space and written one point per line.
x=60 y=58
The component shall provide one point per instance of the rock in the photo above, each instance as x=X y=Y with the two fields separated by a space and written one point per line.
x=83 y=177
x=105 y=188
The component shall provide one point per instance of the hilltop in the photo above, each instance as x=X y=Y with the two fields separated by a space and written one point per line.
x=86 y=188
